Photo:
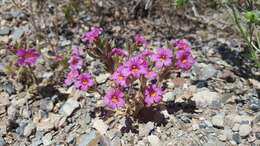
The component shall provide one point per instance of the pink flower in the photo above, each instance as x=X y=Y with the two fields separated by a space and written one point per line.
x=184 y=59
x=119 y=52
x=153 y=94
x=71 y=77
x=84 y=81
x=147 y=53
x=120 y=76
x=114 y=99
x=75 y=62
x=77 y=52
x=27 y=57
x=181 y=44
x=162 y=57
x=92 y=36
x=150 y=75
x=140 y=40
x=137 y=66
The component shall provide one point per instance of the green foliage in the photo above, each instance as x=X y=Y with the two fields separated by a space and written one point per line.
x=181 y=3
x=247 y=23
x=70 y=10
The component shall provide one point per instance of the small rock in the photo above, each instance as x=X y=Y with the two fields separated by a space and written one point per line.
x=116 y=141
x=255 y=83
x=29 y=129
x=204 y=71
x=100 y=125
x=254 y=103
x=236 y=127
x=87 y=118
x=47 y=139
x=68 y=108
x=154 y=140
x=145 y=129
x=169 y=96
x=17 y=34
x=222 y=137
x=206 y=98
x=91 y=138
x=244 y=130
x=218 y=120
x=4 y=99
x=2 y=141
x=9 y=88
x=102 y=78
x=257 y=135
x=5 y=31
x=236 y=138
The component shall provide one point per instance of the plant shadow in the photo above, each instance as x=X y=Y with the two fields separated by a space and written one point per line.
x=148 y=114
x=240 y=62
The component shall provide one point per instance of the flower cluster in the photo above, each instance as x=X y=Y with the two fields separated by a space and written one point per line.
x=27 y=57
x=183 y=54
x=136 y=76
x=82 y=81
x=92 y=36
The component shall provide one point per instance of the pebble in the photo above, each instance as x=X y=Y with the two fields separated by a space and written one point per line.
x=257 y=135
x=17 y=34
x=244 y=130
x=205 y=98
x=236 y=127
x=218 y=120
x=47 y=139
x=29 y=129
x=154 y=140
x=145 y=129
x=254 y=103
x=4 y=31
x=68 y=108
x=102 y=78
x=116 y=141
x=204 y=71
x=2 y=141
x=100 y=126
x=169 y=96
x=236 y=138
x=90 y=138
x=4 y=99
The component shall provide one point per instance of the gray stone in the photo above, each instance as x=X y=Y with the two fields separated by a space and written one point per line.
x=5 y=31
x=214 y=143
x=47 y=139
x=204 y=71
x=169 y=96
x=254 y=103
x=236 y=138
x=257 y=135
x=86 y=139
x=102 y=78
x=145 y=129
x=154 y=140
x=68 y=108
x=116 y=141
x=2 y=141
x=100 y=126
x=87 y=118
x=17 y=34
x=29 y=129
x=236 y=127
x=244 y=130
x=205 y=98
x=218 y=120
x=228 y=133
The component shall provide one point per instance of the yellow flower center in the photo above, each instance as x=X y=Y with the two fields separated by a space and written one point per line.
x=135 y=68
x=114 y=99
x=153 y=94
x=120 y=77
x=85 y=81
